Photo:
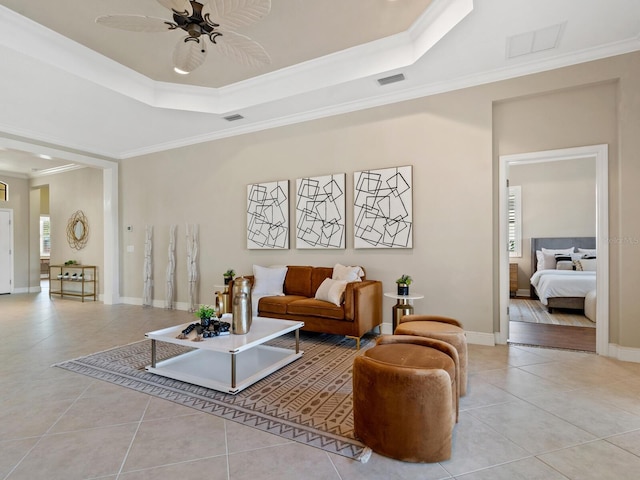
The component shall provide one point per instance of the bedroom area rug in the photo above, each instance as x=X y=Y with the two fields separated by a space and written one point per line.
x=532 y=311
x=308 y=401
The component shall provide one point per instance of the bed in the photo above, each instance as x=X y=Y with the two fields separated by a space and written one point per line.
x=560 y=288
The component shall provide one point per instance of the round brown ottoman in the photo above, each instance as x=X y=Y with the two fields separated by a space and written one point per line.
x=405 y=400
x=446 y=329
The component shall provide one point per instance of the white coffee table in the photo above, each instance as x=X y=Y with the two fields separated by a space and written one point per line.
x=228 y=363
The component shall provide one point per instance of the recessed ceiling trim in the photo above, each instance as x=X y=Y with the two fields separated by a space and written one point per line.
x=78 y=158
x=55 y=170
x=396 y=51
x=401 y=95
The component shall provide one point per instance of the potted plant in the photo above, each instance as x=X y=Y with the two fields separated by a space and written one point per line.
x=403 y=284
x=228 y=276
x=205 y=312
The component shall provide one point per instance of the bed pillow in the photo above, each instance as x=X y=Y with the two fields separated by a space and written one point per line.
x=546 y=257
x=349 y=274
x=268 y=280
x=586 y=265
x=567 y=262
x=558 y=251
x=331 y=291
x=589 y=251
x=564 y=265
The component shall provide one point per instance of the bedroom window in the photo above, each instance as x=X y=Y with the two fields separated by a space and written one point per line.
x=45 y=236
x=515 y=221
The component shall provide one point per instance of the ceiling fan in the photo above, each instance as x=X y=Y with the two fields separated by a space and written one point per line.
x=197 y=19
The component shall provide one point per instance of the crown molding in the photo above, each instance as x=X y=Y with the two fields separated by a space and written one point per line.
x=400 y=95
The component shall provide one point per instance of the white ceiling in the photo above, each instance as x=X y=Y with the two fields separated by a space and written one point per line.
x=69 y=83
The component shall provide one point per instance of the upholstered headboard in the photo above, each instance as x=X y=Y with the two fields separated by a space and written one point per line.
x=556 y=243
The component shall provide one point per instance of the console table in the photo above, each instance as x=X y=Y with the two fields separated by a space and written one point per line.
x=63 y=282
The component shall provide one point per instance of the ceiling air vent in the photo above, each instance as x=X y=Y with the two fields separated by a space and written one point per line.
x=392 y=79
x=233 y=118
x=535 y=41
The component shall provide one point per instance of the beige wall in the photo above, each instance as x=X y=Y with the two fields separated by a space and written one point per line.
x=453 y=142
x=558 y=200
x=44 y=200
x=206 y=184
x=68 y=192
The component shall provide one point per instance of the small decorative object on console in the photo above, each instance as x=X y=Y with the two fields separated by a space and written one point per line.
x=403 y=284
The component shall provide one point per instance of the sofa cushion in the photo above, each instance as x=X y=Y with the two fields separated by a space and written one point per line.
x=315 y=308
x=276 y=305
x=298 y=281
x=317 y=277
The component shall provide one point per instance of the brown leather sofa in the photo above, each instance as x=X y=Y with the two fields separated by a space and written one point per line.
x=360 y=312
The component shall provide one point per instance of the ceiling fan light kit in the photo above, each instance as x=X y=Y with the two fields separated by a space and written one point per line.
x=190 y=51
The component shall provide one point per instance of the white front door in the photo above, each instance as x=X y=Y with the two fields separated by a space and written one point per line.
x=6 y=254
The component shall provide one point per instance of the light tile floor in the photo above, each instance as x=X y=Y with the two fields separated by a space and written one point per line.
x=530 y=413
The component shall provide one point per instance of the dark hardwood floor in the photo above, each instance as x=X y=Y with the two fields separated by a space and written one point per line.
x=553 y=336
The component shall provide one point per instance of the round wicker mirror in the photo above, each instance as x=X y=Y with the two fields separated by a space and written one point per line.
x=78 y=230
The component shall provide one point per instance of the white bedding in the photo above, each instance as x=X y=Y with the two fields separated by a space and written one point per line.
x=562 y=283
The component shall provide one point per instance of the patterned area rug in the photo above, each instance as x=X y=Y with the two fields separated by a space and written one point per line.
x=532 y=311
x=308 y=401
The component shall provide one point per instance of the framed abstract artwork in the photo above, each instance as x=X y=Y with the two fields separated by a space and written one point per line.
x=383 y=208
x=268 y=215
x=320 y=212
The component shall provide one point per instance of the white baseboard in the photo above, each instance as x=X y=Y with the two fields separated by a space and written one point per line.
x=481 y=338
x=156 y=303
x=521 y=292
x=625 y=354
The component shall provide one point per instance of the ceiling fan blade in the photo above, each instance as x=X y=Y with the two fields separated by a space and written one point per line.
x=176 y=5
x=189 y=55
x=242 y=49
x=134 y=23
x=237 y=13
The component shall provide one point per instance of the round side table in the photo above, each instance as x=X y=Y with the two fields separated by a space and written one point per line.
x=403 y=306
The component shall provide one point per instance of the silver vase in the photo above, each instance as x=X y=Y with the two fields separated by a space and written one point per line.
x=241 y=308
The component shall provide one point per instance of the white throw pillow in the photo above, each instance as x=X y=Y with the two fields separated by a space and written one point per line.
x=349 y=274
x=586 y=265
x=268 y=280
x=331 y=291
x=589 y=251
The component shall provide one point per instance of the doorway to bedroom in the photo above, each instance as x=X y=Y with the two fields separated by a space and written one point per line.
x=524 y=319
x=550 y=200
